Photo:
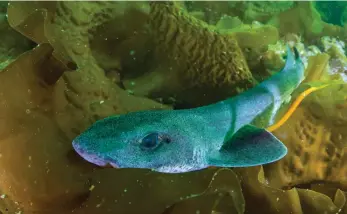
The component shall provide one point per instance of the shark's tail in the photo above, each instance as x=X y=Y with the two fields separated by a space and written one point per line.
x=293 y=60
x=296 y=53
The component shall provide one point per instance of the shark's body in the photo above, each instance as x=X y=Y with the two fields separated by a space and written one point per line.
x=229 y=133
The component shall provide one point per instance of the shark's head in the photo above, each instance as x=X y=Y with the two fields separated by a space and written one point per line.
x=157 y=140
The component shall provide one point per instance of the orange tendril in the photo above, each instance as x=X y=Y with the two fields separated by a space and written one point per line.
x=293 y=107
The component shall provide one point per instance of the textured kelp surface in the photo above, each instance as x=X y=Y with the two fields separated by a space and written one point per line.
x=96 y=59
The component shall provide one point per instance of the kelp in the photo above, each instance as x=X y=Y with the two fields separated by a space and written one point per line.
x=32 y=147
x=89 y=94
x=46 y=99
x=303 y=19
x=317 y=67
x=262 y=198
x=50 y=178
x=141 y=191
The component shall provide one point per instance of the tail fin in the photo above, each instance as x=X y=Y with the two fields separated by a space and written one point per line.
x=291 y=58
x=293 y=63
x=297 y=56
x=296 y=53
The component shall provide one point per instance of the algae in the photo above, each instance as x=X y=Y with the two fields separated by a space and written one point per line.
x=91 y=53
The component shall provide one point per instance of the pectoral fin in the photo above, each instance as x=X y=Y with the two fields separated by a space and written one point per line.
x=249 y=146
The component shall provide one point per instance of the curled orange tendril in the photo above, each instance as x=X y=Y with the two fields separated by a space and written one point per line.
x=293 y=107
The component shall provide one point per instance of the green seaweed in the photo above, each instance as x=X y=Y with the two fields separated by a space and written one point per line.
x=332 y=11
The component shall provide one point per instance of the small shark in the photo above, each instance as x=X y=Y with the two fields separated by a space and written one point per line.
x=229 y=133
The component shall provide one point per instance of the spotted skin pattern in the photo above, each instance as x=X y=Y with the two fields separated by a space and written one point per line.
x=177 y=141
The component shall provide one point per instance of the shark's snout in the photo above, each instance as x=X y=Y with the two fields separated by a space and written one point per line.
x=78 y=148
x=88 y=156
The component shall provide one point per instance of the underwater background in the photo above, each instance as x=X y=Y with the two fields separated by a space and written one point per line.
x=65 y=65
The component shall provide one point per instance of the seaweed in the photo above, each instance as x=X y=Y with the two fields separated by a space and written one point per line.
x=331 y=11
x=56 y=90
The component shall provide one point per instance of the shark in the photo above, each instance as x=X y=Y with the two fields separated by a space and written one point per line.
x=228 y=133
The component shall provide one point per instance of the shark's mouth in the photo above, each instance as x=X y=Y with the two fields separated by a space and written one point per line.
x=114 y=165
x=91 y=158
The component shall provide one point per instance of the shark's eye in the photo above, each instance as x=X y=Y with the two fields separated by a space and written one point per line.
x=150 y=141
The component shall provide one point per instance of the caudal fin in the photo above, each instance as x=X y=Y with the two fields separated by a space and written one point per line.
x=293 y=58
x=296 y=53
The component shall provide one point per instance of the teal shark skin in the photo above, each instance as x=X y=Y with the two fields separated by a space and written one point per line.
x=229 y=133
